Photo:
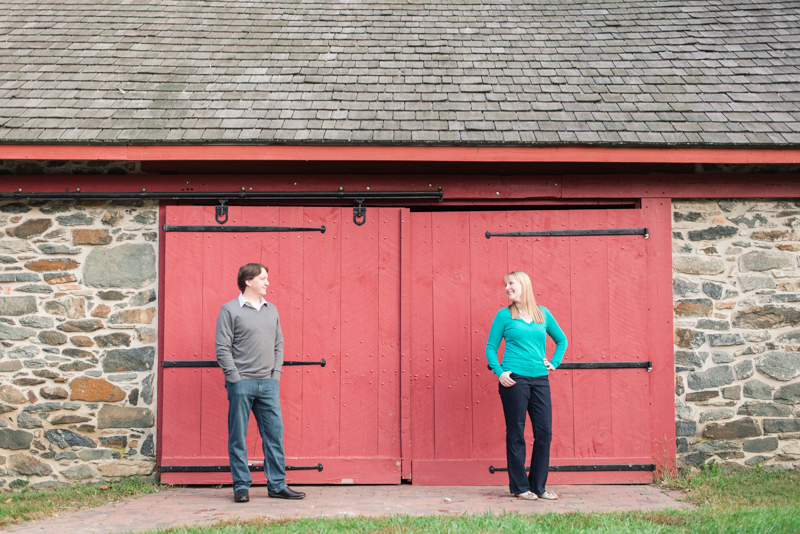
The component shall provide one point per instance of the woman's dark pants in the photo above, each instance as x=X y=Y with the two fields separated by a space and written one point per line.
x=529 y=396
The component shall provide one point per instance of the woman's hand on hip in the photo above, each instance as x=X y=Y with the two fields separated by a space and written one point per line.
x=549 y=365
x=506 y=380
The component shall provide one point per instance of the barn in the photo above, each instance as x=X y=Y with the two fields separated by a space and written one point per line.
x=390 y=162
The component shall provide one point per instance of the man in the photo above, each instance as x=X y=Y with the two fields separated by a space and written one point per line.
x=249 y=346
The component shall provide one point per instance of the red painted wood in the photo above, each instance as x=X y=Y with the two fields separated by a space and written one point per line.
x=289 y=289
x=451 y=297
x=421 y=338
x=658 y=215
x=630 y=412
x=476 y=473
x=322 y=331
x=406 y=370
x=389 y=377
x=361 y=370
x=335 y=471
x=162 y=255
x=180 y=398
x=488 y=265
x=404 y=153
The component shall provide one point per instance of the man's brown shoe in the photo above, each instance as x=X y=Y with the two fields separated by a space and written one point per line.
x=241 y=495
x=287 y=493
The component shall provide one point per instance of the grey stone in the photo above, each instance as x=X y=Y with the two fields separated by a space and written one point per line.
x=712 y=324
x=732 y=392
x=712 y=290
x=71 y=406
x=698 y=265
x=14 y=246
x=687 y=358
x=122 y=377
x=43 y=407
x=51 y=337
x=37 y=321
x=81 y=325
x=687 y=338
x=685 y=428
x=146 y=217
x=683 y=411
x=90 y=455
x=755 y=460
x=773 y=426
x=769 y=316
x=34 y=364
x=50 y=485
x=24 y=351
x=688 y=216
x=143 y=297
x=782 y=366
x=70 y=307
x=745 y=427
x=49 y=248
x=126 y=266
x=756 y=337
x=696 y=458
x=27 y=465
x=713 y=233
x=716 y=414
x=67 y=438
x=724 y=340
x=758 y=260
x=148 y=447
x=744 y=369
x=120 y=360
x=721 y=375
x=79 y=472
x=77 y=353
x=18 y=305
x=111 y=295
x=789 y=394
x=15 y=207
x=15 y=439
x=682 y=286
x=19 y=277
x=10 y=367
x=76 y=366
x=751 y=222
x=754 y=389
x=34 y=288
x=147 y=389
x=760 y=444
x=112 y=416
x=67 y=455
x=764 y=409
x=701 y=396
x=712 y=447
x=76 y=219
x=30 y=228
x=720 y=357
x=750 y=282
x=681 y=445
x=115 y=339
x=789 y=337
x=15 y=333
x=25 y=420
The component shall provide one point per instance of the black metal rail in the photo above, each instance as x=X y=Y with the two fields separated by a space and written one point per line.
x=571 y=233
x=588 y=467
x=604 y=365
x=197 y=228
x=215 y=363
x=227 y=468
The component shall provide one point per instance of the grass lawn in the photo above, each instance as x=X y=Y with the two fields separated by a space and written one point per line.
x=31 y=505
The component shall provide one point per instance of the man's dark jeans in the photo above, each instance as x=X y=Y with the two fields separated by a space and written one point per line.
x=262 y=398
x=529 y=396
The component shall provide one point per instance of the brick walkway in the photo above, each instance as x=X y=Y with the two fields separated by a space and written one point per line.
x=195 y=505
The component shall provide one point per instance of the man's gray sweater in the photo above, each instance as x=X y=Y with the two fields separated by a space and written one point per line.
x=249 y=342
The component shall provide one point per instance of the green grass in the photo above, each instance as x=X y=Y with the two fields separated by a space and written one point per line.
x=32 y=505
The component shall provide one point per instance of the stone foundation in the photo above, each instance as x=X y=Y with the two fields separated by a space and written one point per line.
x=78 y=334
x=736 y=289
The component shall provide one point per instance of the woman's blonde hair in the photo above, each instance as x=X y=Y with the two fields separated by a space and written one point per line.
x=527 y=302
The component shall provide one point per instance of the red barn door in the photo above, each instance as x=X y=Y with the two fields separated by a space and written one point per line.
x=338 y=295
x=597 y=289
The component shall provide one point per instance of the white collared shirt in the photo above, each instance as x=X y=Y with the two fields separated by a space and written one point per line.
x=243 y=302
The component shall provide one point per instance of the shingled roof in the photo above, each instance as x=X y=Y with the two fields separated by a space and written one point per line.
x=457 y=72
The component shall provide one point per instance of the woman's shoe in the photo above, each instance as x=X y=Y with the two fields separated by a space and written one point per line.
x=528 y=496
x=548 y=495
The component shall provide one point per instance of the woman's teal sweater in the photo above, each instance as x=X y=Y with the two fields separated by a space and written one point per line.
x=525 y=344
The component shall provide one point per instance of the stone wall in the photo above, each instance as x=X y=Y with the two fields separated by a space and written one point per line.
x=78 y=341
x=736 y=281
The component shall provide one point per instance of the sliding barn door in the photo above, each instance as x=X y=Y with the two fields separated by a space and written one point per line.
x=338 y=295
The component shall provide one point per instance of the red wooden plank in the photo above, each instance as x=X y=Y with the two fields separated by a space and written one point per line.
x=552 y=288
x=289 y=291
x=590 y=342
x=221 y=261
x=405 y=343
x=421 y=337
x=335 y=471
x=487 y=296
x=407 y=153
x=183 y=306
x=658 y=215
x=162 y=257
x=390 y=379
x=453 y=385
x=630 y=412
x=476 y=473
x=321 y=331
x=361 y=370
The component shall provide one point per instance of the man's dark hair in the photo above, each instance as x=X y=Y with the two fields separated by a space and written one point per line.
x=247 y=272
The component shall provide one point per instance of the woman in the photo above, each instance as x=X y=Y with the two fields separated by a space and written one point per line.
x=524 y=387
